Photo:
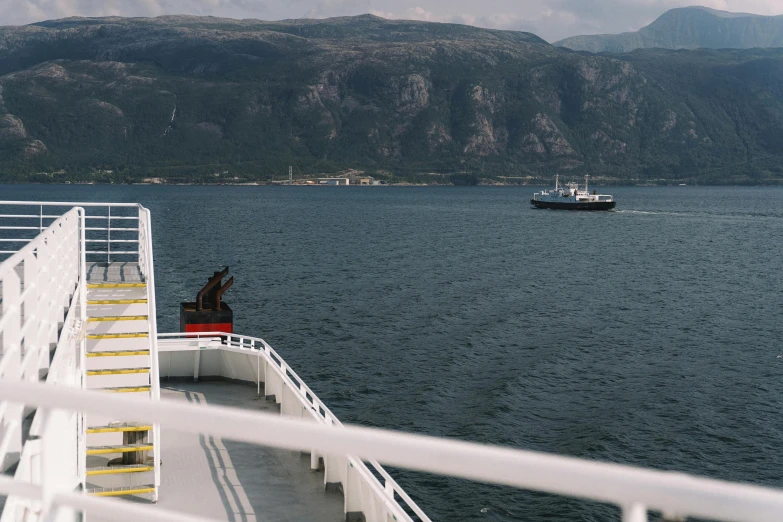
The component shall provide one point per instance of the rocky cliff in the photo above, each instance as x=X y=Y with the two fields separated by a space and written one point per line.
x=192 y=98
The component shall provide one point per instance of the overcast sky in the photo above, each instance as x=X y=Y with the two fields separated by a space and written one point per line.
x=550 y=19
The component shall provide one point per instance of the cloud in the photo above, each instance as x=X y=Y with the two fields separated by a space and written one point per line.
x=550 y=19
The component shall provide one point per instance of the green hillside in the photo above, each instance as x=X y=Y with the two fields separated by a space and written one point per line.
x=206 y=99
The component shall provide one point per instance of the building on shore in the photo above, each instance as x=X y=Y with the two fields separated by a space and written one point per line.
x=334 y=181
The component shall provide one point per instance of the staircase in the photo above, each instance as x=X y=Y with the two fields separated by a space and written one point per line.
x=121 y=456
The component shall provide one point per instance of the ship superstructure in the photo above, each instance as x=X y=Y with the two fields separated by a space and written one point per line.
x=93 y=399
x=569 y=197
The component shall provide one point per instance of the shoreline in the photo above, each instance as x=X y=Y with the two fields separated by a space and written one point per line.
x=403 y=184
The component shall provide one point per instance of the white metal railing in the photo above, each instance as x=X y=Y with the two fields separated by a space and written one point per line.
x=146 y=266
x=41 y=287
x=112 y=229
x=634 y=490
x=298 y=400
x=57 y=262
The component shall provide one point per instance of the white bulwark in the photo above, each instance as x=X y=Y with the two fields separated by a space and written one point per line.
x=93 y=400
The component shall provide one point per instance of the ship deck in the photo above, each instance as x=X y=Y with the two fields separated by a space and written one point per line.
x=114 y=272
x=227 y=480
x=223 y=479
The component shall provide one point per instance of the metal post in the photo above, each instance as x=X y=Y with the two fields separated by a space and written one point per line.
x=635 y=513
x=82 y=469
x=108 y=238
x=196 y=363
x=56 y=473
x=12 y=351
x=40 y=220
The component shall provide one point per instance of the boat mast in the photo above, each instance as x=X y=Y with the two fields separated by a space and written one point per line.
x=586 y=176
x=557 y=176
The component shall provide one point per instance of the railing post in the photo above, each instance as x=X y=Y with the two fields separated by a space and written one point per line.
x=32 y=309
x=12 y=349
x=57 y=467
x=108 y=236
x=82 y=343
x=314 y=460
x=196 y=363
x=635 y=513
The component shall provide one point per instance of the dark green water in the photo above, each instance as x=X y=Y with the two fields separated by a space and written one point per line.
x=649 y=336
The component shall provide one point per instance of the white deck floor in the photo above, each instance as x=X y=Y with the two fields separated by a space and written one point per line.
x=234 y=481
x=114 y=272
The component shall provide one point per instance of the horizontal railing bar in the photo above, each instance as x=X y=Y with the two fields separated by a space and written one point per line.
x=68 y=204
x=113 y=229
x=38 y=216
x=118 y=252
x=9 y=486
x=618 y=484
x=21 y=228
x=23 y=240
x=111 y=217
x=111 y=240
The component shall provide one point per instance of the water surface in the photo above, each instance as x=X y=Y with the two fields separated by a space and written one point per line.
x=648 y=336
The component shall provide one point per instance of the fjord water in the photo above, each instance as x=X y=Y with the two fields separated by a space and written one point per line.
x=647 y=336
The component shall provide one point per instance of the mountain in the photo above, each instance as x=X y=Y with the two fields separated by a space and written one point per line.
x=198 y=99
x=689 y=28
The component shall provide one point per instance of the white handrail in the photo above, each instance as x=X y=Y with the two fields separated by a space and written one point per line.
x=108 y=245
x=146 y=265
x=69 y=204
x=625 y=486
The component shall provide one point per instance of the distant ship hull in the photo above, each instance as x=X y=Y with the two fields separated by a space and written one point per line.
x=565 y=205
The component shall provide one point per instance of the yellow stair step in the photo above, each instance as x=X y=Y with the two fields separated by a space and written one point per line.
x=136 y=335
x=112 y=318
x=114 y=470
x=116 y=285
x=119 y=428
x=117 y=301
x=118 y=353
x=118 y=371
x=119 y=448
x=126 y=389
x=116 y=492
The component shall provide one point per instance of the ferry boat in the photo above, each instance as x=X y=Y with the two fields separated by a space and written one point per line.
x=571 y=198
x=93 y=399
